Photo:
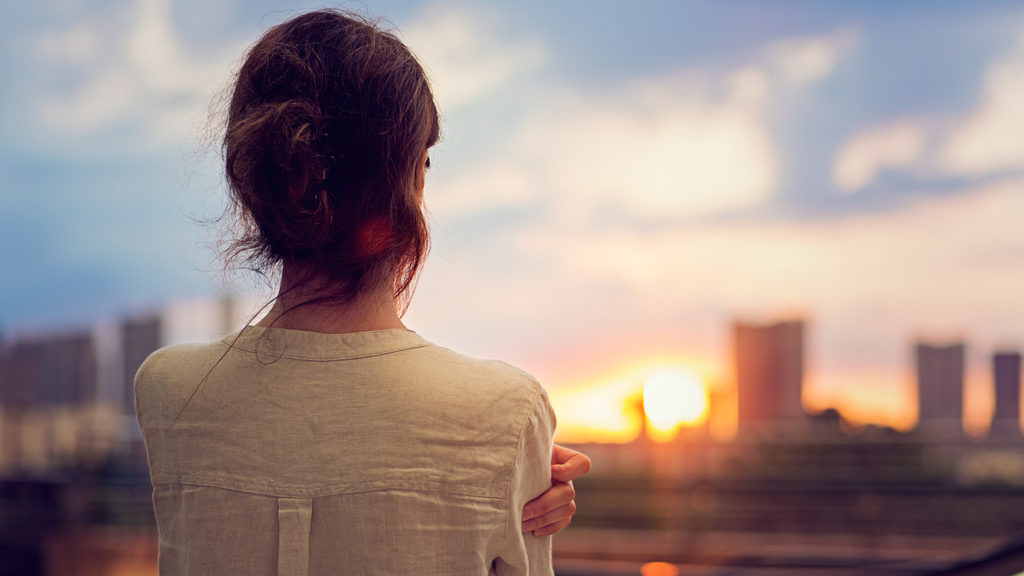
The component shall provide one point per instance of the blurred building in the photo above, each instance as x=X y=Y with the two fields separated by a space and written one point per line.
x=139 y=337
x=58 y=370
x=1006 y=371
x=46 y=383
x=940 y=388
x=769 y=376
x=75 y=495
x=67 y=398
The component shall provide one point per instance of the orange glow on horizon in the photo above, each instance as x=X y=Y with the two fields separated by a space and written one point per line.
x=606 y=408
x=673 y=399
x=864 y=397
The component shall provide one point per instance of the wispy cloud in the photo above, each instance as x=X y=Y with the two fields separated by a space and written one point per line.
x=497 y=186
x=988 y=139
x=982 y=141
x=869 y=282
x=139 y=82
x=461 y=49
x=659 y=149
x=806 y=59
x=684 y=144
x=894 y=145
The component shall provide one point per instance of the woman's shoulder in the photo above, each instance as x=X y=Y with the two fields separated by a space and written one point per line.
x=494 y=375
x=169 y=374
x=490 y=389
x=169 y=361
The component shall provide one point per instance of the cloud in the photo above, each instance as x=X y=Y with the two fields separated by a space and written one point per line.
x=802 y=60
x=497 y=186
x=661 y=149
x=922 y=259
x=460 y=50
x=574 y=302
x=684 y=144
x=138 y=78
x=870 y=282
x=78 y=44
x=893 y=145
x=655 y=151
x=982 y=141
x=988 y=139
x=568 y=298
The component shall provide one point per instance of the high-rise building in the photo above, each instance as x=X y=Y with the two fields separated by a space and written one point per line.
x=940 y=387
x=59 y=370
x=769 y=374
x=1006 y=371
x=139 y=338
x=46 y=382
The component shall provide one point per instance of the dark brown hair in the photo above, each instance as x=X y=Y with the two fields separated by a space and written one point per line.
x=327 y=125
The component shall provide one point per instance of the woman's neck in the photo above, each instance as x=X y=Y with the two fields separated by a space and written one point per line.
x=372 y=309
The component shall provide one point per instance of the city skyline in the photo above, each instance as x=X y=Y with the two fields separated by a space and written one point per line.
x=766 y=386
x=76 y=491
x=612 y=189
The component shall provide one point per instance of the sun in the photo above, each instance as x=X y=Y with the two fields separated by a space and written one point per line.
x=674 y=399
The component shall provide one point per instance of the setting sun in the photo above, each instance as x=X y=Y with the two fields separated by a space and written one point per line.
x=674 y=399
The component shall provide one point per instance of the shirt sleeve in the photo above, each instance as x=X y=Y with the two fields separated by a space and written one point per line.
x=531 y=476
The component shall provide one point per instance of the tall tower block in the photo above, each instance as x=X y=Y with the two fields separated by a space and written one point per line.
x=940 y=388
x=769 y=375
x=1006 y=371
x=139 y=337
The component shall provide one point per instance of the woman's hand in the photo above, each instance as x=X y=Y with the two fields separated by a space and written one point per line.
x=553 y=510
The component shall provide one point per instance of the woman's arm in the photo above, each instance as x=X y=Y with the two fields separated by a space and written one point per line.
x=519 y=553
x=553 y=510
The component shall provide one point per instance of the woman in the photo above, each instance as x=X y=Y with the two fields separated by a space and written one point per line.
x=328 y=438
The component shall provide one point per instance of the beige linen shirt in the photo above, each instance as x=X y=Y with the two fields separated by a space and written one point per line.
x=366 y=453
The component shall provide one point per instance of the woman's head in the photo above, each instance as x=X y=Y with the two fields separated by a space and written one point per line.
x=327 y=130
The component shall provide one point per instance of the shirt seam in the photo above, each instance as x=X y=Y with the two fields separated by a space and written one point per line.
x=328 y=493
x=515 y=455
x=329 y=358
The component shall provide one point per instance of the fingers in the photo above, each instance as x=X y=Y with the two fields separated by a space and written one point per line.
x=552 y=510
x=567 y=464
x=554 y=527
x=551 y=521
x=560 y=494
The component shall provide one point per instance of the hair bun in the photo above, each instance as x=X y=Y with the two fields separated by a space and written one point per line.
x=280 y=165
x=308 y=196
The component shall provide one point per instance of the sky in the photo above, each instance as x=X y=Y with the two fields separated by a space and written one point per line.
x=616 y=185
